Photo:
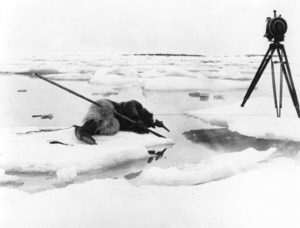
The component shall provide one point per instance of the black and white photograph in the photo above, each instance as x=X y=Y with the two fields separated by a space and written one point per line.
x=149 y=113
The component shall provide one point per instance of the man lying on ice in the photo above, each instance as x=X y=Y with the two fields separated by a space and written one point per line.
x=101 y=120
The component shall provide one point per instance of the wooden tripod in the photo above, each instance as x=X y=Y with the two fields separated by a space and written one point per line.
x=284 y=70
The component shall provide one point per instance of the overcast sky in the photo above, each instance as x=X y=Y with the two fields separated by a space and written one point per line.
x=138 y=26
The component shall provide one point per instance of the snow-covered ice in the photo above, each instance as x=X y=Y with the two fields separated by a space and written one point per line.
x=233 y=74
x=264 y=197
x=218 y=167
x=260 y=114
x=208 y=189
x=186 y=83
x=125 y=71
x=9 y=179
x=70 y=76
x=115 y=77
x=73 y=157
x=111 y=79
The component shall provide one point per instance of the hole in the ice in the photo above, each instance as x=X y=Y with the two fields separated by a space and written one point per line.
x=225 y=140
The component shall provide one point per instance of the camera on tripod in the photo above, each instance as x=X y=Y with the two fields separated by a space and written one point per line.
x=276 y=28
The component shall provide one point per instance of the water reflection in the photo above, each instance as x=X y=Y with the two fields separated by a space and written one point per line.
x=156 y=155
x=39 y=181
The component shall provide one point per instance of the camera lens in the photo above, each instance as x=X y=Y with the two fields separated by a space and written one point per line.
x=278 y=27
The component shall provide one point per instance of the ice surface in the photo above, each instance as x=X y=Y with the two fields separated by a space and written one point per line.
x=260 y=112
x=173 y=83
x=42 y=98
x=186 y=83
x=263 y=194
x=125 y=71
x=66 y=174
x=70 y=76
x=182 y=73
x=168 y=78
x=9 y=196
x=72 y=157
x=218 y=167
x=152 y=74
x=106 y=76
x=268 y=196
x=232 y=74
x=9 y=179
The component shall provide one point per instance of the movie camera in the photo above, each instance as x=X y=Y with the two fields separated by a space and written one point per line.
x=275 y=31
x=276 y=28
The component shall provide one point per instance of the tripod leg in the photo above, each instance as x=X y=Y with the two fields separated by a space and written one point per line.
x=280 y=89
x=258 y=74
x=288 y=77
x=274 y=87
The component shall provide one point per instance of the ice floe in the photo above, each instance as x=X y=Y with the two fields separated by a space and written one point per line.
x=114 y=77
x=183 y=73
x=231 y=74
x=125 y=71
x=152 y=74
x=66 y=174
x=264 y=197
x=218 y=167
x=187 y=83
x=70 y=157
x=257 y=118
x=43 y=71
x=6 y=180
x=70 y=76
